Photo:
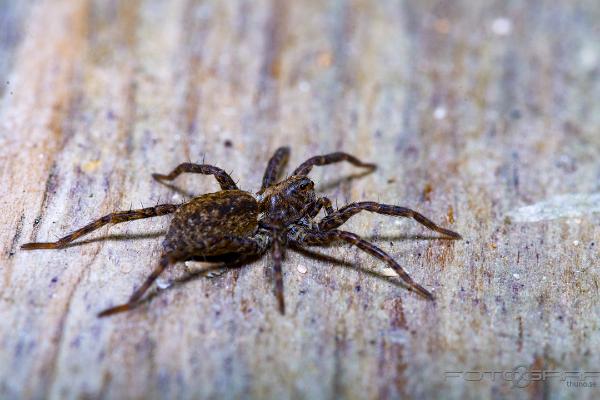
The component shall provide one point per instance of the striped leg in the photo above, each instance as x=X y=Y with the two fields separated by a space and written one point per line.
x=221 y=176
x=331 y=158
x=343 y=214
x=321 y=202
x=224 y=245
x=114 y=218
x=165 y=261
x=274 y=167
x=328 y=237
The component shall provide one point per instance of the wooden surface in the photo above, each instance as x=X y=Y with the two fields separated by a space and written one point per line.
x=473 y=110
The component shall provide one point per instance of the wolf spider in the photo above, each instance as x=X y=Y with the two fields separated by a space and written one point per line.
x=236 y=223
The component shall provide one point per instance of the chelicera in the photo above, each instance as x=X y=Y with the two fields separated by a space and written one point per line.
x=232 y=222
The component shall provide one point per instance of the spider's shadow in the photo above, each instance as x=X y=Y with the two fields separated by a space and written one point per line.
x=322 y=187
x=178 y=190
x=316 y=255
x=403 y=237
x=232 y=262
x=229 y=262
x=338 y=181
x=117 y=238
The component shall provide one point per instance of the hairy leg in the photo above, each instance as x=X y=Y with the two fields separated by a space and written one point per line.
x=320 y=203
x=343 y=214
x=223 y=245
x=331 y=158
x=221 y=176
x=274 y=167
x=312 y=209
x=329 y=237
x=113 y=218
x=165 y=261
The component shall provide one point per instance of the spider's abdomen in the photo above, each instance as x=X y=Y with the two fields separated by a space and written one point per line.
x=212 y=215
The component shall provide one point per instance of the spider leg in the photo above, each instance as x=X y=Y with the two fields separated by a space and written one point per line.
x=215 y=246
x=343 y=214
x=314 y=238
x=278 y=254
x=274 y=167
x=221 y=176
x=320 y=203
x=165 y=261
x=331 y=158
x=113 y=218
x=312 y=209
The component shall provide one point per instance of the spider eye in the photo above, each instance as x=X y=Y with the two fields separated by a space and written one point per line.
x=305 y=184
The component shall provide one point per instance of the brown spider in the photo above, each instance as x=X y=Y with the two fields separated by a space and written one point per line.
x=236 y=223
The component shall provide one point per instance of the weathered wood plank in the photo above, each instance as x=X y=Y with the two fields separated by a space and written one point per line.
x=473 y=110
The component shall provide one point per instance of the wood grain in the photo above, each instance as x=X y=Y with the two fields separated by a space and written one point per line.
x=472 y=110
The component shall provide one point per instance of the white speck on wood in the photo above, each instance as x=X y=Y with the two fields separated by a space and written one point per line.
x=389 y=272
x=302 y=269
x=440 y=112
x=163 y=283
x=502 y=26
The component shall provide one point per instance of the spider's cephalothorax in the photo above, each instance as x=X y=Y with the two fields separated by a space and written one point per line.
x=285 y=202
x=239 y=224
